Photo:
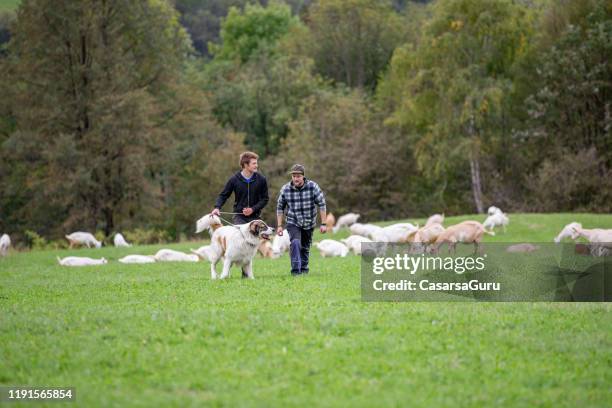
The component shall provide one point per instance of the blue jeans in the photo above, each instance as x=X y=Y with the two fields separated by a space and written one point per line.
x=299 y=248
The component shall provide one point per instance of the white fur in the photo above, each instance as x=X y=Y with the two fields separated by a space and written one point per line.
x=280 y=244
x=392 y=233
x=493 y=210
x=354 y=243
x=203 y=252
x=170 y=255
x=5 y=243
x=330 y=247
x=137 y=259
x=80 y=261
x=83 y=238
x=365 y=230
x=435 y=219
x=208 y=222
x=567 y=231
x=236 y=245
x=346 y=220
x=595 y=235
x=119 y=241
x=406 y=226
x=496 y=220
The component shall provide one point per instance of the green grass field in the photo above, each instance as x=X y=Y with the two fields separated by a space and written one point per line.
x=166 y=335
x=9 y=5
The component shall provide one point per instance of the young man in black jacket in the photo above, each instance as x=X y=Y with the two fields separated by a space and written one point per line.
x=250 y=191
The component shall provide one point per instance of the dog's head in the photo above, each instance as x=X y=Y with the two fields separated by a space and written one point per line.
x=260 y=229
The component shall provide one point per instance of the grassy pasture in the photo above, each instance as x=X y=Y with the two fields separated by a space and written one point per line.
x=165 y=335
x=9 y=5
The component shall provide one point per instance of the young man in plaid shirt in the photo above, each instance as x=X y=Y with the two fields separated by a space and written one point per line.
x=299 y=198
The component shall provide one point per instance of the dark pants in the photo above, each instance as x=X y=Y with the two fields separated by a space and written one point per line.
x=299 y=248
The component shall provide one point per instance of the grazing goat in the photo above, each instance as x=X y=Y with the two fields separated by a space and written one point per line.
x=465 y=232
x=119 y=241
x=346 y=220
x=567 y=231
x=330 y=247
x=354 y=243
x=83 y=238
x=435 y=219
x=365 y=230
x=495 y=220
x=493 y=210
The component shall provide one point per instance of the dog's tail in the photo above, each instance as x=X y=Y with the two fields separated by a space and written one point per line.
x=59 y=260
x=208 y=222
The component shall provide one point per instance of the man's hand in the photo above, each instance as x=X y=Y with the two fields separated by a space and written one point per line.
x=216 y=212
x=247 y=211
x=323 y=229
x=279 y=231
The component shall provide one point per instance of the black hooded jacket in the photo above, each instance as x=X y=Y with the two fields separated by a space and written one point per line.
x=253 y=194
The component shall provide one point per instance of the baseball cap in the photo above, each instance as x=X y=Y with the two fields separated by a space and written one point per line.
x=297 y=168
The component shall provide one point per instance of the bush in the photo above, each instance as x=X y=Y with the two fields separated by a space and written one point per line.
x=572 y=182
x=34 y=241
x=140 y=236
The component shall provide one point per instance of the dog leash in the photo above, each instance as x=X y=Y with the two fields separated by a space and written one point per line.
x=226 y=221
x=234 y=225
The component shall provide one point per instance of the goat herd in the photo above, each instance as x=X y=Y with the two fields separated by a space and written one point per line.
x=428 y=238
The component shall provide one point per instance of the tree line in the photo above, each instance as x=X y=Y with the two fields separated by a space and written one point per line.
x=119 y=115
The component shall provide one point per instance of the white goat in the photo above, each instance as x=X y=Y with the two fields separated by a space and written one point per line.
x=80 y=261
x=170 y=255
x=365 y=230
x=203 y=252
x=496 y=220
x=595 y=235
x=5 y=243
x=137 y=259
x=493 y=210
x=567 y=231
x=435 y=219
x=346 y=220
x=83 y=238
x=119 y=241
x=354 y=243
x=330 y=247
x=280 y=244
x=394 y=233
x=600 y=239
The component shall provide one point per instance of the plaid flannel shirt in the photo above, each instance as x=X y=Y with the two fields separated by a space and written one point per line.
x=301 y=203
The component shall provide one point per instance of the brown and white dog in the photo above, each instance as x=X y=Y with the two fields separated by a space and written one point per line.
x=237 y=245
